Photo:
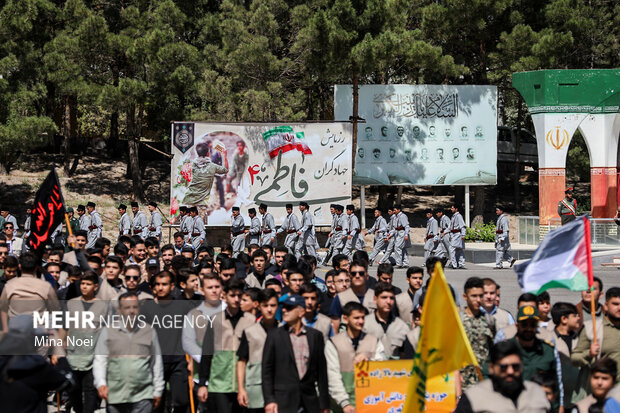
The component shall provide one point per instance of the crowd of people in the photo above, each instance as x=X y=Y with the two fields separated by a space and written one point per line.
x=279 y=337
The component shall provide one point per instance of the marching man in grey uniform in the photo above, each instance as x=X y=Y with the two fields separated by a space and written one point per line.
x=329 y=243
x=186 y=223
x=252 y=235
x=197 y=232
x=237 y=234
x=502 y=239
x=432 y=235
x=139 y=222
x=306 y=244
x=401 y=243
x=268 y=227
x=339 y=237
x=457 y=239
x=390 y=236
x=26 y=233
x=290 y=226
x=443 y=247
x=354 y=240
x=155 y=222
x=95 y=227
x=124 y=225
x=379 y=228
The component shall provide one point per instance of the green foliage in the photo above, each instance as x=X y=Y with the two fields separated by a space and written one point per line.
x=481 y=232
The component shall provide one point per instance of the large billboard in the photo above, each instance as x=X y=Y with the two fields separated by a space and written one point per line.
x=423 y=134
x=273 y=164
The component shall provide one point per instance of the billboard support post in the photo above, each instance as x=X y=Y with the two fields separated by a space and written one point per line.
x=363 y=205
x=466 y=205
x=399 y=195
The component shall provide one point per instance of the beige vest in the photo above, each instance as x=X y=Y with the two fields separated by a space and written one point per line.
x=587 y=325
x=483 y=398
x=138 y=344
x=256 y=336
x=414 y=336
x=322 y=324
x=583 y=405
x=348 y=296
x=346 y=352
x=201 y=327
x=502 y=319
x=404 y=305
x=227 y=338
x=393 y=338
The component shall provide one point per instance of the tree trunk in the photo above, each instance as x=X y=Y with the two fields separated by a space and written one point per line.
x=134 y=160
x=113 y=149
x=478 y=205
x=67 y=132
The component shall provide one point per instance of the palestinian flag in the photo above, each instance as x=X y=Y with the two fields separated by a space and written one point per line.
x=562 y=260
x=283 y=138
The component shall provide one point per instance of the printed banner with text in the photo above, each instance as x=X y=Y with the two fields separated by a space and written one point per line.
x=273 y=164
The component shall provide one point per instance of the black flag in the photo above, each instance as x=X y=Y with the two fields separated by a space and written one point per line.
x=48 y=212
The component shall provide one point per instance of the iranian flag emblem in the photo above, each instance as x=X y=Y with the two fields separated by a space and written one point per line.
x=283 y=138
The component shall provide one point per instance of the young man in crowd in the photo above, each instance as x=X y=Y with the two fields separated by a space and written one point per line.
x=189 y=284
x=358 y=291
x=584 y=307
x=383 y=324
x=218 y=364
x=346 y=349
x=404 y=300
x=501 y=317
x=566 y=320
x=603 y=378
x=328 y=296
x=111 y=285
x=312 y=318
x=250 y=301
x=133 y=283
x=258 y=276
x=543 y=303
x=385 y=273
x=250 y=353
x=511 y=331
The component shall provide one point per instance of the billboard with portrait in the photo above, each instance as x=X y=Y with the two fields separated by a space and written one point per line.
x=273 y=164
x=423 y=134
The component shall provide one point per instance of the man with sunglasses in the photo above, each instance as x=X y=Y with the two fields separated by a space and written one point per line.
x=506 y=390
x=358 y=291
x=15 y=244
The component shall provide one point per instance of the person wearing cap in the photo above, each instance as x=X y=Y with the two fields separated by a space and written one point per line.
x=431 y=239
x=96 y=225
x=185 y=223
x=457 y=239
x=155 y=222
x=124 y=225
x=443 y=246
x=294 y=365
x=538 y=356
x=7 y=217
x=218 y=363
x=268 y=227
x=502 y=239
x=306 y=244
x=507 y=389
x=567 y=207
x=339 y=237
x=354 y=345
x=354 y=241
x=237 y=232
x=390 y=237
x=380 y=229
x=401 y=241
x=252 y=235
x=328 y=243
x=198 y=235
x=139 y=223
x=84 y=219
x=290 y=226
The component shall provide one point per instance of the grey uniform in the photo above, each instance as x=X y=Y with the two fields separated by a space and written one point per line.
x=380 y=229
x=432 y=237
x=155 y=223
x=253 y=236
x=84 y=222
x=391 y=231
x=237 y=238
x=139 y=224
x=502 y=241
x=339 y=236
x=198 y=232
x=57 y=237
x=356 y=242
x=94 y=233
x=457 y=243
x=187 y=223
x=444 y=237
x=268 y=230
x=306 y=243
x=290 y=226
x=329 y=243
x=27 y=227
x=124 y=225
x=400 y=244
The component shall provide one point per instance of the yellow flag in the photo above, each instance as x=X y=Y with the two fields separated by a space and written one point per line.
x=443 y=346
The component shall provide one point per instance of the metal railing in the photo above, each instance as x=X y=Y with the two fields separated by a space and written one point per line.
x=603 y=231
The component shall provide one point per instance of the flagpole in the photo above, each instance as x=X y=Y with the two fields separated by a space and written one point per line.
x=586 y=223
x=69 y=228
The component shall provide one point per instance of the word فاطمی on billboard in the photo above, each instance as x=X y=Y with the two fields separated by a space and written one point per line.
x=423 y=134
x=218 y=166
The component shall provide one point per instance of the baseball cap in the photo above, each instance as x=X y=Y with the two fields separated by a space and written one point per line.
x=527 y=312
x=294 y=301
x=152 y=262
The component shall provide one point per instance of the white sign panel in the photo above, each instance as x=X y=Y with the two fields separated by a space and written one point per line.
x=273 y=164
x=423 y=134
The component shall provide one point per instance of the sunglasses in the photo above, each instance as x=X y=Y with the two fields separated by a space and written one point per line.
x=289 y=307
x=358 y=273
x=8 y=227
x=132 y=277
x=516 y=367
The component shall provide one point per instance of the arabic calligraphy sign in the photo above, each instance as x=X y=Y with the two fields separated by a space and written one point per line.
x=314 y=166
x=423 y=134
x=47 y=213
x=381 y=386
